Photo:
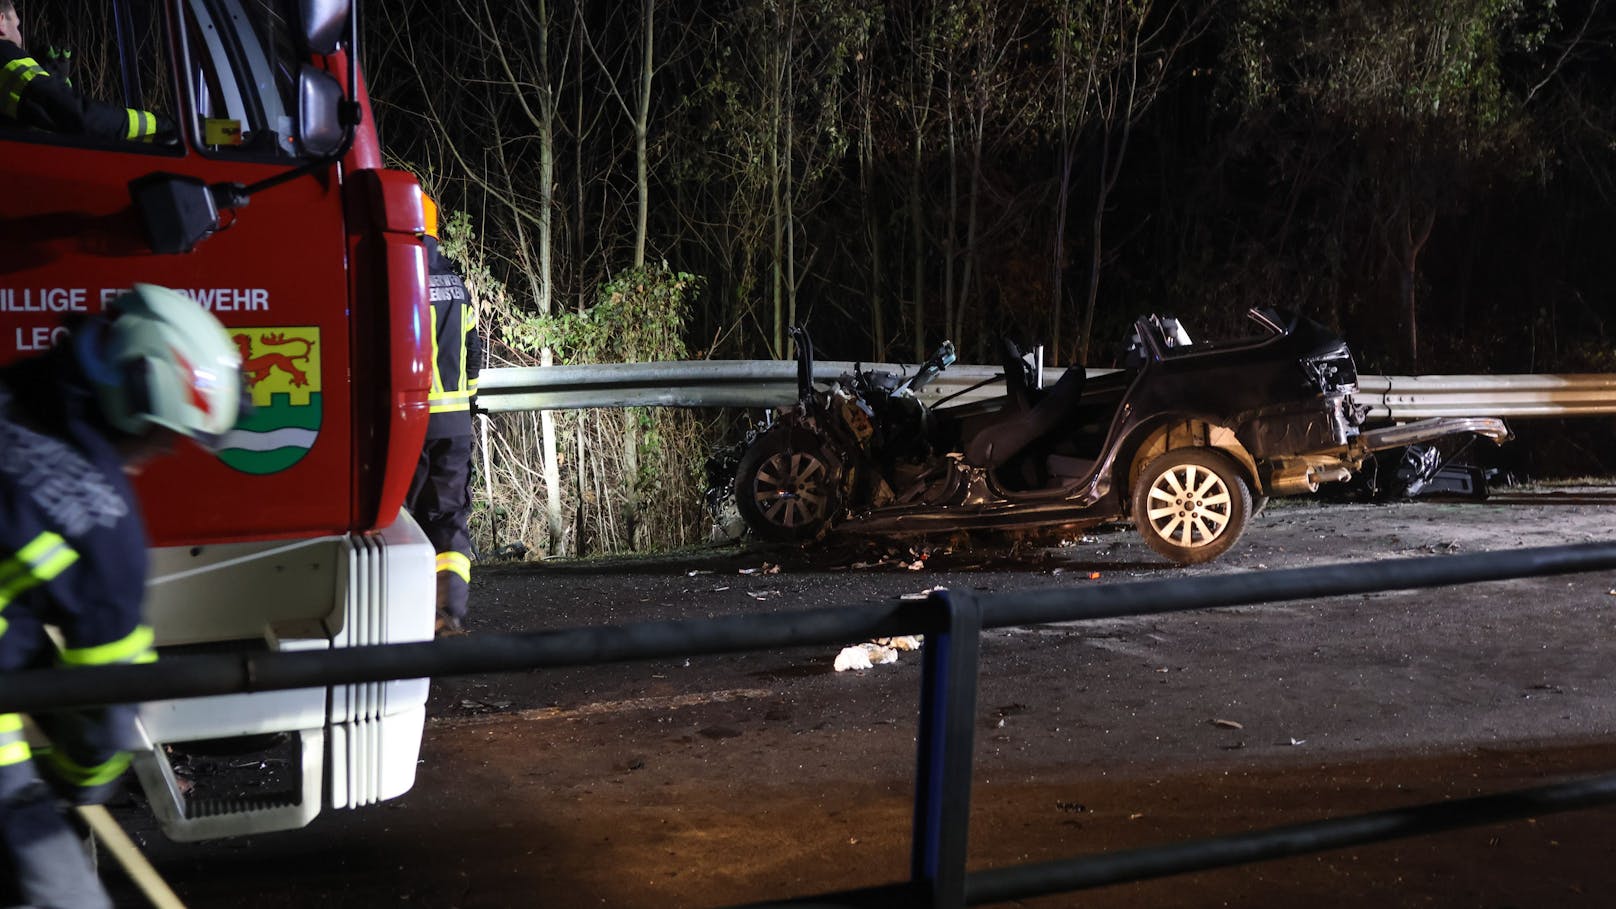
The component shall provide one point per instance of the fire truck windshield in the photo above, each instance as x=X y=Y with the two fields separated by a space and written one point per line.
x=242 y=74
x=238 y=79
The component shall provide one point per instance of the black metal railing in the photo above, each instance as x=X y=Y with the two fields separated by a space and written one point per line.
x=953 y=622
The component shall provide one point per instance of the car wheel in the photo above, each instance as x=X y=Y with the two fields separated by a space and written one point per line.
x=786 y=488
x=1191 y=504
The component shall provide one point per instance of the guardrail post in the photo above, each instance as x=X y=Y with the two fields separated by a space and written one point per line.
x=946 y=738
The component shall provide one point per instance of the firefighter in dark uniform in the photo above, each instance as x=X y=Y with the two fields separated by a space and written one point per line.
x=440 y=492
x=73 y=422
x=33 y=96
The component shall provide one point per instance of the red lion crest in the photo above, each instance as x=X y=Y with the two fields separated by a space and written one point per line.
x=259 y=367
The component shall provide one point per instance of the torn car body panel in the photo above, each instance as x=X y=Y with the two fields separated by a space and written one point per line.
x=1185 y=439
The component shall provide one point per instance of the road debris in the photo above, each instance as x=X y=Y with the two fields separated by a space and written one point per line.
x=855 y=658
x=1445 y=546
x=914 y=559
x=921 y=595
x=1227 y=724
x=878 y=652
x=768 y=568
x=484 y=705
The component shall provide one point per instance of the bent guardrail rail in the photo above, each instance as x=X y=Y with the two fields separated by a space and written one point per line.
x=953 y=621
x=772 y=383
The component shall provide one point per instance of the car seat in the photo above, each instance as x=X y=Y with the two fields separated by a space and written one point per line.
x=1006 y=438
x=1019 y=393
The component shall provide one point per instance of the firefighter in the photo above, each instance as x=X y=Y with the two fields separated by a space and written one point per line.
x=73 y=421
x=439 y=497
x=33 y=96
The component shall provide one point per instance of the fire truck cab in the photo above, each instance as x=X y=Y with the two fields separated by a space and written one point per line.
x=268 y=202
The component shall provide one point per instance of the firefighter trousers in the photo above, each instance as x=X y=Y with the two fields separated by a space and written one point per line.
x=440 y=501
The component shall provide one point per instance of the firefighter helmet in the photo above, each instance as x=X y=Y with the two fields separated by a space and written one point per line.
x=160 y=360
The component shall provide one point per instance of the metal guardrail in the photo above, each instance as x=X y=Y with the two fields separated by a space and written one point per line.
x=773 y=383
x=1404 y=398
x=953 y=622
x=692 y=383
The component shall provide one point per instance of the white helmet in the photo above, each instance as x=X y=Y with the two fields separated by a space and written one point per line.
x=161 y=360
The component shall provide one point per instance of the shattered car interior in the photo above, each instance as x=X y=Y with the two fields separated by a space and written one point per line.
x=1185 y=440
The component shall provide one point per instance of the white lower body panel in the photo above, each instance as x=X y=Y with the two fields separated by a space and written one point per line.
x=356 y=744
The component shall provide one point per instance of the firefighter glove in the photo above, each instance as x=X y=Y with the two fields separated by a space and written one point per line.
x=59 y=63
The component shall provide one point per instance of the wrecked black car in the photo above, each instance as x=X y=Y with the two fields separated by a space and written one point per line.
x=1187 y=441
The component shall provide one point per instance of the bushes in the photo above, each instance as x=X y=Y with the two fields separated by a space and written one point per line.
x=628 y=479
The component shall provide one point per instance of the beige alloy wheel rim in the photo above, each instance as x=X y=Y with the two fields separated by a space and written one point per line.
x=1189 y=506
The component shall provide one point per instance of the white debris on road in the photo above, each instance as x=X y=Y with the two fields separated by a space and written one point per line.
x=878 y=652
x=853 y=658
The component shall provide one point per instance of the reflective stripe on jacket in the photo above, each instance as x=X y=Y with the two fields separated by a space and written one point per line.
x=14 y=81
x=31 y=96
x=13 y=746
x=457 y=350
x=72 y=556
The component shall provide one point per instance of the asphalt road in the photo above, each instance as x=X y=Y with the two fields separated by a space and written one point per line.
x=719 y=780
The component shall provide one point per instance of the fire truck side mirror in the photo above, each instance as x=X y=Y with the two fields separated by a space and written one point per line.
x=176 y=212
x=320 y=129
x=323 y=22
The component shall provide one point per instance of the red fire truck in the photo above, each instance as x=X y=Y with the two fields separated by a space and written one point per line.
x=267 y=202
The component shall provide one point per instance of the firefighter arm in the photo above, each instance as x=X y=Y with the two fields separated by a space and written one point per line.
x=35 y=97
x=475 y=354
x=79 y=768
x=88 y=749
x=99 y=622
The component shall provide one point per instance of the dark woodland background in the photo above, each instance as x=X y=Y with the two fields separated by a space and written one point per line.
x=1434 y=178
x=668 y=179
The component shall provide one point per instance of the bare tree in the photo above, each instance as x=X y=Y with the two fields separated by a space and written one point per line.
x=1075 y=69
x=920 y=27
x=1420 y=88
x=1134 y=45
x=514 y=78
x=995 y=104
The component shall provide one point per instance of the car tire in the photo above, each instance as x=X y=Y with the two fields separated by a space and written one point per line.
x=1191 y=504
x=787 y=488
